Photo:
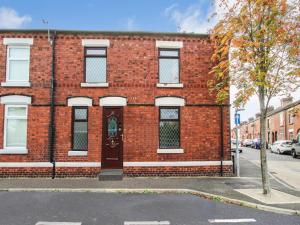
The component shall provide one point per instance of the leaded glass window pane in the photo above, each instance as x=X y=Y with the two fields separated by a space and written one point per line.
x=168 y=70
x=169 y=113
x=96 y=52
x=80 y=114
x=169 y=53
x=80 y=129
x=95 y=70
x=169 y=134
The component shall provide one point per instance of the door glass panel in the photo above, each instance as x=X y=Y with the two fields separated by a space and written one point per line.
x=112 y=126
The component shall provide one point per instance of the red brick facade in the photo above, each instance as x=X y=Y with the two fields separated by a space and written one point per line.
x=132 y=73
x=283 y=123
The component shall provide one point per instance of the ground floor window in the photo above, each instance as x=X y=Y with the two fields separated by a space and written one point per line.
x=80 y=128
x=169 y=127
x=15 y=126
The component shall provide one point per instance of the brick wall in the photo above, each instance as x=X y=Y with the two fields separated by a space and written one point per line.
x=132 y=72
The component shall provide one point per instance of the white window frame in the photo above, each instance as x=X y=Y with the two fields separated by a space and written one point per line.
x=9 y=149
x=24 y=82
x=165 y=45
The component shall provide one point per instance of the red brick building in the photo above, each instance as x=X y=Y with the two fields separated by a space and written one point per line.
x=98 y=100
x=283 y=123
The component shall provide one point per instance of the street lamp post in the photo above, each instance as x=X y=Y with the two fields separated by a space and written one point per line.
x=237 y=153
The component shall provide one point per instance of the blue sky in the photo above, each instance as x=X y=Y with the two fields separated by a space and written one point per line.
x=146 y=15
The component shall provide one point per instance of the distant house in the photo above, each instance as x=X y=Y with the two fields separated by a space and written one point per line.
x=283 y=123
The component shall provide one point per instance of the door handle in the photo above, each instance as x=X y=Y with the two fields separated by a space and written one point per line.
x=122 y=136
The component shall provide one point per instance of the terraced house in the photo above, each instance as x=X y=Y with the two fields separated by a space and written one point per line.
x=76 y=103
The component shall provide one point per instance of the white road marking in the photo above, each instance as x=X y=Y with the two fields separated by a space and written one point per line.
x=57 y=223
x=231 y=220
x=146 y=223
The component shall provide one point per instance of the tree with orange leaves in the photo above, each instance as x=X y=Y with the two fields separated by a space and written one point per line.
x=257 y=50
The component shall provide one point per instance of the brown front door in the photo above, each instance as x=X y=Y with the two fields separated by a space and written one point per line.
x=112 y=138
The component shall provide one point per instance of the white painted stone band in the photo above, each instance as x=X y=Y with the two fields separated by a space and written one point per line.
x=177 y=163
x=48 y=164
x=125 y=164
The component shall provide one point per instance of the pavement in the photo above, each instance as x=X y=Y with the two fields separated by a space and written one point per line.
x=36 y=208
x=226 y=187
x=284 y=167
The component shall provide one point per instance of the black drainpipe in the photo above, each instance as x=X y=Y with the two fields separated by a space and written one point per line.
x=52 y=108
x=222 y=140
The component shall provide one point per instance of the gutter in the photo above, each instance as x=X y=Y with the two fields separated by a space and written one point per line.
x=107 y=32
x=52 y=107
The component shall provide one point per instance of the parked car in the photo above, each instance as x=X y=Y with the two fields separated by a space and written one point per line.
x=256 y=143
x=283 y=146
x=233 y=146
x=247 y=142
x=296 y=147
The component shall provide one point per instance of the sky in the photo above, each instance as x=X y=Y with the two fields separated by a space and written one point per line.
x=121 y=15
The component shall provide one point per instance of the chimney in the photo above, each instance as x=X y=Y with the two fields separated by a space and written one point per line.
x=250 y=119
x=286 y=101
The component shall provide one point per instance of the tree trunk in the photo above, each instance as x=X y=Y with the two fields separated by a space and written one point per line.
x=263 y=155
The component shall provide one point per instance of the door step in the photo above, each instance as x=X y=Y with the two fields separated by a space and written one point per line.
x=111 y=174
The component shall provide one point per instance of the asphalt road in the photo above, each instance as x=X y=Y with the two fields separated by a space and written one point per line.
x=283 y=167
x=253 y=154
x=29 y=208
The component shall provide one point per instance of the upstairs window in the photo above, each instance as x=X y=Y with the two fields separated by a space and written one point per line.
x=95 y=65
x=169 y=66
x=80 y=128
x=17 y=69
x=169 y=127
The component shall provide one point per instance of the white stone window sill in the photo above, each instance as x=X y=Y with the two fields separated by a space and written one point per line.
x=16 y=84
x=94 y=84
x=170 y=151
x=17 y=151
x=77 y=153
x=162 y=85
